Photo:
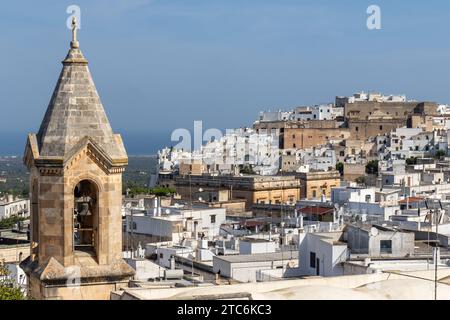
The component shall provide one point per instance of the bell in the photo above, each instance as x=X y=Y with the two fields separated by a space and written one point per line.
x=83 y=208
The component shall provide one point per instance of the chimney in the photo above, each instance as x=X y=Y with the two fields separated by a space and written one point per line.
x=155 y=207
x=159 y=207
x=172 y=263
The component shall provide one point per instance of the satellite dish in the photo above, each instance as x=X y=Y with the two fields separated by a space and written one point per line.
x=373 y=232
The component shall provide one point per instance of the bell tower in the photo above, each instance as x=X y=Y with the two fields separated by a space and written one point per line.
x=76 y=164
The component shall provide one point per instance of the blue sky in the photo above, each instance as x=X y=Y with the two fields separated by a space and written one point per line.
x=161 y=64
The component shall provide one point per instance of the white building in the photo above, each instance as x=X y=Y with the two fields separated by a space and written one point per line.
x=246 y=268
x=165 y=255
x=352 y=194
x=322 y=254
x=305 y=160
x=227 y=154
x=303 y=113
x=369 y=97
x=146 y=269
x=255 y=246
x=318 y=112
x=177 y=223
x=405 y=143
x=400 y=179
x=242 y=147
x=271 y=116
x=376 y=242
x=11 y=206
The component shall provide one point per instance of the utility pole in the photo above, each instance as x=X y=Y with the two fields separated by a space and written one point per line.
x=436 y=252
x=132 y=228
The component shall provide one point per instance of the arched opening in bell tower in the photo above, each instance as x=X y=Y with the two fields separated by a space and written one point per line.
x=85 y=218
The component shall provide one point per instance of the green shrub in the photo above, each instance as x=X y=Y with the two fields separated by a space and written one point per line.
x=440 y=154
x=157 y=191
x=372 y=167
x=9 y=290
x=8 y=223
x=340 y=168
x=361 y=180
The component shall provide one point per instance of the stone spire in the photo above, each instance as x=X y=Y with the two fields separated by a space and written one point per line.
x=74 y=157
x=75 y=111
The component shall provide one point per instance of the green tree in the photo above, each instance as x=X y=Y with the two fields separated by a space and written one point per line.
x=340 y=168
x=361 y=180
x=157 y=191
x=9 y=290
x=8 y=223
x=440 y=154
x=372 y=167
x=411 y=161
x=247 y=170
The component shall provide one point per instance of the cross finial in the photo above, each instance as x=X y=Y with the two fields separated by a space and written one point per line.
x=74 y=44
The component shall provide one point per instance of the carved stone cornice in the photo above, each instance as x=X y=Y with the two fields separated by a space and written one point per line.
x=55 y=166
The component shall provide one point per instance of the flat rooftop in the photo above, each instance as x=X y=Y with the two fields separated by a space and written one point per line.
x=259 y=257
x=255 y=240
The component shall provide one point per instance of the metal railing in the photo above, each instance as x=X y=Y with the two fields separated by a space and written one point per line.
x=83 y=238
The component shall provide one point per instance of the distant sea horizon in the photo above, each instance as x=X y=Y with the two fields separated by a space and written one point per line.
x=136 y=144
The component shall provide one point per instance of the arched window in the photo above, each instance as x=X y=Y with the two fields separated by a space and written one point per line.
x=85 y=218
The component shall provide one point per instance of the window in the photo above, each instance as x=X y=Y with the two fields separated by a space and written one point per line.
x=357 y=129
x=386 y=246
x=314 y=193
x=368 y=198
x=85 y=218
x=381 y=128
x=312 y=260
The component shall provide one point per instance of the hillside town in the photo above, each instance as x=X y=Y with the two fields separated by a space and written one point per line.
x=356 y=189
x=360 y=186
x=348 y=200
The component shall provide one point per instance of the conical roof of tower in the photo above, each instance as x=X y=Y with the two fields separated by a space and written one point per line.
x=76 y=112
